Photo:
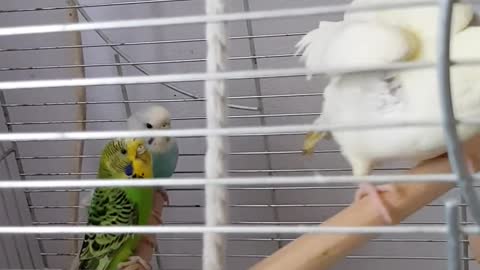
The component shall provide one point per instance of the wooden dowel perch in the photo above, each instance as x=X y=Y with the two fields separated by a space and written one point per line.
x=321 y=251
x=81 y=114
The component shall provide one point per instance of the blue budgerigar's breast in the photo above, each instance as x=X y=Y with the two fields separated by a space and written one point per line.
x=164 y=164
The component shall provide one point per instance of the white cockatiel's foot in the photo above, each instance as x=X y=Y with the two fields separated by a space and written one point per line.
x=134 y=263
x=365 y=189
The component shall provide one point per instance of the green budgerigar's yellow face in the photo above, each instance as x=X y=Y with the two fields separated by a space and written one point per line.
x=140 y=158
x=124 y=159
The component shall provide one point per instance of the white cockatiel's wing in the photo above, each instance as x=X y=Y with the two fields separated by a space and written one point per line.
x=339 y=45
x=370 y=38
x=465 y=79
x=421 y=19
x=315 y=42
x=366 y=39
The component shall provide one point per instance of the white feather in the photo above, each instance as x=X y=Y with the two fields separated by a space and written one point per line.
x=381 y=97
x=347 y=45
x=421 y=19
x=159 y=118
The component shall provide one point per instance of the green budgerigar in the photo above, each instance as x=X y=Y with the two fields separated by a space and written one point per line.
x=118 y=206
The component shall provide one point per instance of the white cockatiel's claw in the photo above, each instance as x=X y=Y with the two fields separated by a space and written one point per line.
x=373 y=192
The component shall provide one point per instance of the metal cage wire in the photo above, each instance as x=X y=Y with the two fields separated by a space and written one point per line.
x=216 y=130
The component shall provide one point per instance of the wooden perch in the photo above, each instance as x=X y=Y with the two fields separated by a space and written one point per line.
x=321 y=251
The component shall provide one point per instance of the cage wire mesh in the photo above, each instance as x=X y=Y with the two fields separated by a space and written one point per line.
x=269 y=101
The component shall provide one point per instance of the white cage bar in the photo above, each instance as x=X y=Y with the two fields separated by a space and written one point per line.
x=216 y=178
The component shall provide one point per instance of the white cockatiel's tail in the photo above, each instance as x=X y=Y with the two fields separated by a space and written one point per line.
x=421 y=20
x=383 y=37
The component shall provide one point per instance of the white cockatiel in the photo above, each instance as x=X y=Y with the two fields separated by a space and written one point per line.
x=383 y=37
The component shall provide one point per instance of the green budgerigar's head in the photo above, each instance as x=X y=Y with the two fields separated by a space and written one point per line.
x=125 y=158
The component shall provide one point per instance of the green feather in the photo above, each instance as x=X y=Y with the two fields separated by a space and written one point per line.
x=113 y=161
x=114 y=207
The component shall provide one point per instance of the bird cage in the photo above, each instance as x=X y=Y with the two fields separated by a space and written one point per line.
x=73 y=71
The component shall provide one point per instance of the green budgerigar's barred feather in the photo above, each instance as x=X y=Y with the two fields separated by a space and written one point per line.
x=122 y=206
x=110 y=206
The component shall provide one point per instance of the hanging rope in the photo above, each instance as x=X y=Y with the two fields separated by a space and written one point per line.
x=216 y=196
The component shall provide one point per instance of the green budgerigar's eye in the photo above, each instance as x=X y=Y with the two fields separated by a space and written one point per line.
x=124 y=151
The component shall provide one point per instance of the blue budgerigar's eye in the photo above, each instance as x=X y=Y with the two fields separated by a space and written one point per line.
x=148 y=125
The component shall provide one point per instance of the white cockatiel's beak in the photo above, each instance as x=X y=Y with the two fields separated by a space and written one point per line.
x=311 y=140
x=313 y=137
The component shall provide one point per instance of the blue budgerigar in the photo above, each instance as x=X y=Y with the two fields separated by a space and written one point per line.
x=164 y=150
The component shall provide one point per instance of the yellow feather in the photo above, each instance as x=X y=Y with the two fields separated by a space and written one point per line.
x=141 y=159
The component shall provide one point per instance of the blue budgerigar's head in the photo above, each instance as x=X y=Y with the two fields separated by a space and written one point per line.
x=152 y=117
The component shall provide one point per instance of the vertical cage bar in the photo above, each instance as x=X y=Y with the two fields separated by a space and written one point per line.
x=128 y=110
x=9 y=223
x=464 y=237
x=3 y=200
x=449 y=122
x=216 y=196
x=142 y=69
x=453 y=236
x=261 y=110
x=21 y=214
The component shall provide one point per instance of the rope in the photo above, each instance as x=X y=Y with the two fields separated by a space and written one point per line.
x=216 y=196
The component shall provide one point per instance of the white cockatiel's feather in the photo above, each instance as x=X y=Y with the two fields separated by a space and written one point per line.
x=396 y=35
x=421 y=21
x=337 y=45
x=402 y=35
x=411 y=95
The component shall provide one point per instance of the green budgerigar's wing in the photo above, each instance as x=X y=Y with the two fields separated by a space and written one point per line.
x=109 y=206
